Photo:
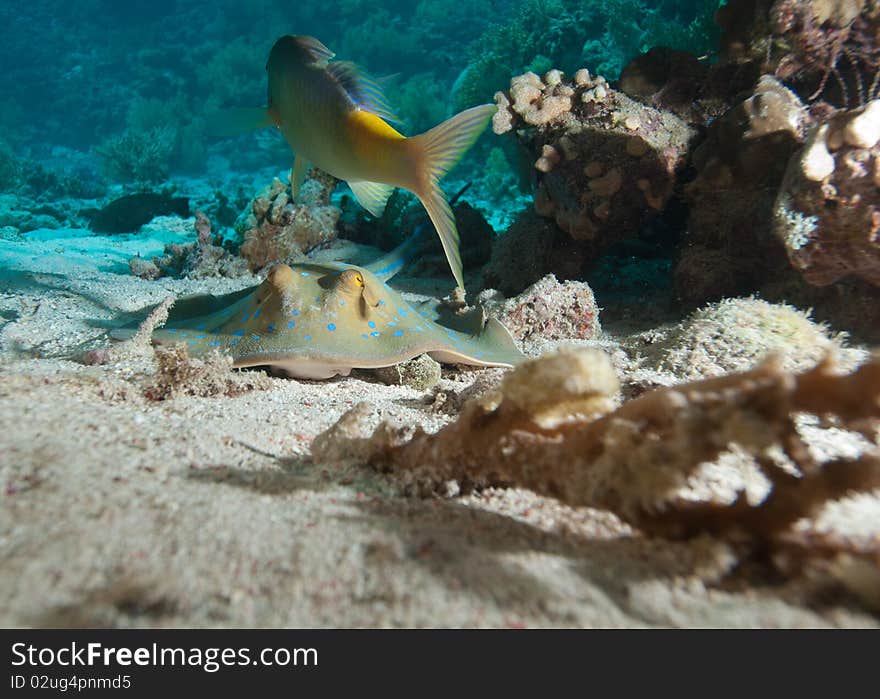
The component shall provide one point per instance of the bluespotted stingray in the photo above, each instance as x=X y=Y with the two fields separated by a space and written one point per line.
x=316 y=320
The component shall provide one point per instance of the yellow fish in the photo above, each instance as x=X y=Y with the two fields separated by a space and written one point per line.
x=336 y=118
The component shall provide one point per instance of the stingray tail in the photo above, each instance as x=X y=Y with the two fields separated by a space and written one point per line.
x=436 y=152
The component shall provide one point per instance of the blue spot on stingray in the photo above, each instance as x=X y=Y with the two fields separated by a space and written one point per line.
x=238 y=333
x=398 y=333
x=371 y=324
x=257 y=313
x=375 y=333
x=255 y=336
x=341 y=302
x=381 y=302
x=307 y=338
x=365 y=336
x=200 y=337
x=317 y=299
x=305 y=274
x=291 y=323
x=401 y=311
x=271 y=328
x=192 y=342
x=424 y=313
x=295 y=311
x=331 y=327
x=215 y=343
x=233 y=343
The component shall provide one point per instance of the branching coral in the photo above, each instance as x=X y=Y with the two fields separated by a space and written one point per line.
x=552 y=429
x=202 y=258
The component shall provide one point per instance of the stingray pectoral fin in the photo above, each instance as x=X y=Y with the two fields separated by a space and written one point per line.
x=372 y=195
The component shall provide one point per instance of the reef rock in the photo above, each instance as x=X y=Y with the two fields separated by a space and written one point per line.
x=730 y=247
x=605 y=163
x=277 y=229
x=547 y=310
x=734 y=335
x=823 y=49
x=203 y=258
x=530 y=249
x=827 y=213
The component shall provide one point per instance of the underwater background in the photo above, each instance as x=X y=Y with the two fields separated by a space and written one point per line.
x=657 y=403
x=106 y=99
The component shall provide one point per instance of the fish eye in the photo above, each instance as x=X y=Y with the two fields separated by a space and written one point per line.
x=359 y=279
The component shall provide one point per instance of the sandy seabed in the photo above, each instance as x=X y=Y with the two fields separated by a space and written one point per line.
x=123 y=511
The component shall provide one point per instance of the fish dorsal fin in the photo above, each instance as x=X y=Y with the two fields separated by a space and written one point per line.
x=372 y=195
x=365 y=92
x=319 y=53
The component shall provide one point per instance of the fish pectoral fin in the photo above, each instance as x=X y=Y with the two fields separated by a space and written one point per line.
x=298 y=174
x=372 y=195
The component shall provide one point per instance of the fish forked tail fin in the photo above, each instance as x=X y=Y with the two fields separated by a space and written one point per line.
x=436 y=152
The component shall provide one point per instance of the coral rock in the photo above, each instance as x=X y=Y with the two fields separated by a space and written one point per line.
x=730 y=244
x=276 y=229
x=588 y=122
x=530 y=249
x=646 y=460
x=421 y=373
x=827 y=213
x=548 y=310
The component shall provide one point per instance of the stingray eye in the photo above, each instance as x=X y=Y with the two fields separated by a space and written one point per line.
x=358 y=279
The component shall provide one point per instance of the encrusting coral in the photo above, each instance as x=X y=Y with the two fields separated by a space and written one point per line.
x=553 y=428
x=277 y=229
x=734 y=334
x=547 y=310
x=605 y=163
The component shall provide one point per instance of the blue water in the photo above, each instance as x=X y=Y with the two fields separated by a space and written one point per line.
x=104 y=98
x=76 y=75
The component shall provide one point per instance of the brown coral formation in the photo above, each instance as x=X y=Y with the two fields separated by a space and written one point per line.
x=552 y=429
x=276 y=229
x=827 y=213
x=605 y=163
